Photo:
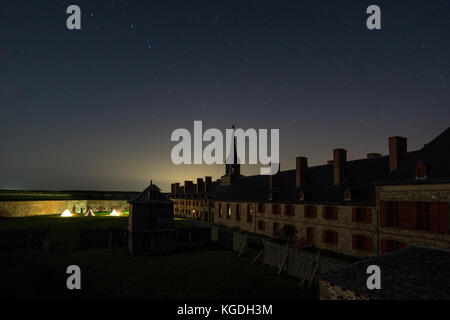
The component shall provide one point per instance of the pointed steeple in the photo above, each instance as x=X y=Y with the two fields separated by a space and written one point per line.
x=232 y=170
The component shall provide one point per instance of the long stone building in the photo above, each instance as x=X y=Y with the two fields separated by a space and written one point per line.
x=359 y=208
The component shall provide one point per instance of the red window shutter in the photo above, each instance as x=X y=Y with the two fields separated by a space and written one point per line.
x=336 y=238
x=335 y=212
x=443 y=217
x=406 y=215
x=369 y=244
x=324 y=210
x=311 y=235
x=401 y=215
x=368 y=215
x=439 y=217
x=353 y=214
x=383 y=246
x=409 y=209
x=434 y=217
x=315 y=212
x=354 y=242
x=383 y=213
x=324 y=236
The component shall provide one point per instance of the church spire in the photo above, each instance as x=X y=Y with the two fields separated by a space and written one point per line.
x=232 y=170
x=235 y=158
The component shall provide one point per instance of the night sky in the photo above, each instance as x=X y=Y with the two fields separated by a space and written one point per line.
x=95 y=108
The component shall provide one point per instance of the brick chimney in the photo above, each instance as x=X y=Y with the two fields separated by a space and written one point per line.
x=397 y=152
x=208 y=184
x=373 y=155
x=339 y=163
x=274 y=184
x=187 y=186
x=200 y=185
x=172 y=188
x=177 y=187
x=301 y=167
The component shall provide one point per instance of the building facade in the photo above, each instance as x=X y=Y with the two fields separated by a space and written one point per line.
x=194 y=200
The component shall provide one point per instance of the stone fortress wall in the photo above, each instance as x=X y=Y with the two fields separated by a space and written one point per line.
x=37 y=203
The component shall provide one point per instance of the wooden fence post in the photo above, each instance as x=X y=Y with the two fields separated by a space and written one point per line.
x=244 y=245
x=260 y=252
x=286 y=254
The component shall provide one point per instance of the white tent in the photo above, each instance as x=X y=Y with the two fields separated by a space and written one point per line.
x=66 y=213
x=90 y=213
x=114 y=213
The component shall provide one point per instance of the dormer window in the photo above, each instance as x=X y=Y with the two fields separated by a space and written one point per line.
x=421 y=170
x=347 y=195
x=302 y=196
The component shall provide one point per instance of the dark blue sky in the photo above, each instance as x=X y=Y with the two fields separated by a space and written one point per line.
x=94 y=109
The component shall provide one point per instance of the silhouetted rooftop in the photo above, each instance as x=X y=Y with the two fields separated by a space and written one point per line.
x=360 y=178
x=436 y=155
x=150 y=194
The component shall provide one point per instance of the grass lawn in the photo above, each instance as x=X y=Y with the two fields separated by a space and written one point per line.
x=113 y=274
x=56 y=222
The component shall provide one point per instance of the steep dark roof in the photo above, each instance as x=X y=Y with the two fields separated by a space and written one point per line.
x=150 y=194
x=410 y=273
x=360 y=178
x=435 y=154
x=319 y=187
